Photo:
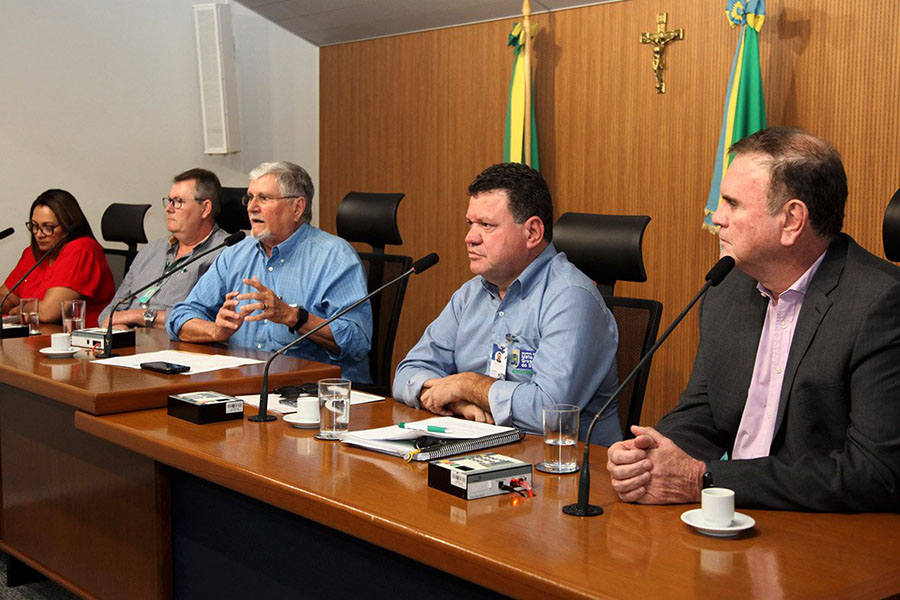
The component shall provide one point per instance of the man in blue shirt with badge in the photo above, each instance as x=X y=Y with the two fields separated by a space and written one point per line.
x=529 y=330
x=269 y=289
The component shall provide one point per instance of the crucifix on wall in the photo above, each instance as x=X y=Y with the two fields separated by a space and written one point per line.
x=660 y=38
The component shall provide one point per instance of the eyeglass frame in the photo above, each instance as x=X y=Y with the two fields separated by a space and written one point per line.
x=31 y=226
x=246 y=199
x=178 y=203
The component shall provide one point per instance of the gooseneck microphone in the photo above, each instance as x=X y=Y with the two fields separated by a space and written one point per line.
x=43 y=257
x=6 y=233
x=418 y=267
x=583 y=508
x=231 y=240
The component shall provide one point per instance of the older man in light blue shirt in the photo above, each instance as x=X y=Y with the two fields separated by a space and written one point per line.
x=530 y=330
x=288 y=278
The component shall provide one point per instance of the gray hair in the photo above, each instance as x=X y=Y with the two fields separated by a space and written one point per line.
x=293 y=181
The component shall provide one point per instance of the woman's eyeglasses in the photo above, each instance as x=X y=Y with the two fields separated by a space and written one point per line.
x=46 y=228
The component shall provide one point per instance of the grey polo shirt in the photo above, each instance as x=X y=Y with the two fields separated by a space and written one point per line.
x=152 y=261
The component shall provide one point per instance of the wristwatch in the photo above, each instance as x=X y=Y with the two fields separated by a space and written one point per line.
x=302 y=316
x=708 y=480
x=149 y=317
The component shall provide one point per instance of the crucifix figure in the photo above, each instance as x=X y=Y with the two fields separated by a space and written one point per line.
x=659 y=39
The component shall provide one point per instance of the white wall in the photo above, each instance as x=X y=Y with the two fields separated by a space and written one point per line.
x=101 y=98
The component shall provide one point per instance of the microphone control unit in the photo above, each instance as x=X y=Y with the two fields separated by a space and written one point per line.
x=478 y=475
x=94 y=338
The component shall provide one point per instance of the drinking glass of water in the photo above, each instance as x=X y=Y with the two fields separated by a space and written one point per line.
x=334 y=408
x=73 y=312
x=28 y=308
x=560 y=439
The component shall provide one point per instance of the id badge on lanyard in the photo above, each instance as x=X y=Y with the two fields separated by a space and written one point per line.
x=148 y=293
x=499 y=356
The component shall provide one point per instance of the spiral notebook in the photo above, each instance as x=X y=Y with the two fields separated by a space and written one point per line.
x=459 y=437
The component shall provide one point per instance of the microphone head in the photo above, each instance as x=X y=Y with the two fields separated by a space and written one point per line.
x=235 y=237
x=6 y=232
x=720 y=270
x=425 y=263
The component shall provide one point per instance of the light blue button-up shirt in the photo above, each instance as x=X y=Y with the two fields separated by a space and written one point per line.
x=561 y=346
x=312 y=269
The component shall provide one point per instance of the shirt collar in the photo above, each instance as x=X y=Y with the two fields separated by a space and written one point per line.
x=529 y=277
x=173 y=241
x=290 y=244
x=800 y=286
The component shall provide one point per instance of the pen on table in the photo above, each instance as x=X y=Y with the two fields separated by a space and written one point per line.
x=426 y=428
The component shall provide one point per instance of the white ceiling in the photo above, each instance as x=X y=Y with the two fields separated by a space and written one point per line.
x=324 y=22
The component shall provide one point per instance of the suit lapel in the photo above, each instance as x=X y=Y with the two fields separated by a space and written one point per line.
x=816 y=304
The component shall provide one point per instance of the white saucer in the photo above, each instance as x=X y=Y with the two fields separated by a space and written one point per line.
x=59 y=353
x=694 y=518
x=295 y=420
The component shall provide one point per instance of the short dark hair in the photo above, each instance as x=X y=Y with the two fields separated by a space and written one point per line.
x=206 y=186
x=68 y=213
x=801 y=166
x=525 y=188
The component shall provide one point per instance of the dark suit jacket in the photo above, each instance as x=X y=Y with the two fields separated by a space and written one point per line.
x=837 y=434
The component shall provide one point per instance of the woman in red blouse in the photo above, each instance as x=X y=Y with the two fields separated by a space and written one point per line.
x=76 y=270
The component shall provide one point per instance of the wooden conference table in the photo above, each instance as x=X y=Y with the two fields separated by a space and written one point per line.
x=216 y=486
x=89 y=514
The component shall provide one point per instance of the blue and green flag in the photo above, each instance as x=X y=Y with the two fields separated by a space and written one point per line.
x=745 y=107
x=516 y=112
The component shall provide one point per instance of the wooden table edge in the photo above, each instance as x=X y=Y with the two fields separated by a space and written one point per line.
x=501 y=576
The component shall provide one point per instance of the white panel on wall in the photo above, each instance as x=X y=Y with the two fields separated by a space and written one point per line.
x=106 y=105
x=218 y=85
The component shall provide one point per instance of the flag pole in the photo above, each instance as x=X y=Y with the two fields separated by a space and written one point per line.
x=526 y=26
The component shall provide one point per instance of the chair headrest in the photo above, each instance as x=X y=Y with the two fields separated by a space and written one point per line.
x=233 y=214
x=369 y=218
x=890 y=228
x=124 y=223
x=607 y=248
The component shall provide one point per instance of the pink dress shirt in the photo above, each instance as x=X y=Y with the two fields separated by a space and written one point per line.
x=757 y=428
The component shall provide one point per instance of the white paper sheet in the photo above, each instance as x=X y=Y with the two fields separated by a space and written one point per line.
x=199 y=363
x=276 y=404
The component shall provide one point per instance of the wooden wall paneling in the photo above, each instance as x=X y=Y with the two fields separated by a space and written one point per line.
x=423 y=113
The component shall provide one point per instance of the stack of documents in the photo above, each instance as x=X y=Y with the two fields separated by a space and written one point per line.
x=433 y=438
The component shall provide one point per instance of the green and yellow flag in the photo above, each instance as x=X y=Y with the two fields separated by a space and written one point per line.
x=519 y=106
x=745 y=106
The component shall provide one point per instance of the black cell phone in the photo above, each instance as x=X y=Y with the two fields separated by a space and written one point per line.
x=165 y=367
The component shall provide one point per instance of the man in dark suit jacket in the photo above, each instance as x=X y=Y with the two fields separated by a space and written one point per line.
x=794 y=399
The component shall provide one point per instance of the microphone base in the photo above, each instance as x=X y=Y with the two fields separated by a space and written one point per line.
x=257 y=418
x=591 y=510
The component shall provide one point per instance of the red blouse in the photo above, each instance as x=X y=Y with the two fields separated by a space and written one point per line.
x=81 y=266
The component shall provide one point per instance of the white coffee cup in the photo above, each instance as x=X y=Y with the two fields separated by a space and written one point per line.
x=59 y=342
x=717 y=505
x=308 y=409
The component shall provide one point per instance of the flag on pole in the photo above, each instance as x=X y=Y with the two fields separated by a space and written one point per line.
x=745 y=107
x=519 y=107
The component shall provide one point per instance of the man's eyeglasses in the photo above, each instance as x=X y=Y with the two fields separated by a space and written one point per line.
x=46 y=228
x=176 y=203
x=248 y=198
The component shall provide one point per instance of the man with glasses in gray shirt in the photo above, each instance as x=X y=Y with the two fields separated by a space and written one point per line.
x=191 y=208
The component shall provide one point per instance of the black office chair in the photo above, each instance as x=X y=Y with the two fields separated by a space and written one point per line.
x=372 y=219
x=608 y=248
x=890 y=229
x=233 y=215
x=123 y=223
